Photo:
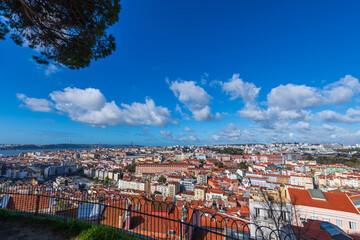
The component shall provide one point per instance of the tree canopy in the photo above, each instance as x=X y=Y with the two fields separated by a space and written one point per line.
x=107 y=179
x=130 y=167
x=66 y=32
x=219 y=164
x=162 y=179
x=243 y=165
x=229 y=150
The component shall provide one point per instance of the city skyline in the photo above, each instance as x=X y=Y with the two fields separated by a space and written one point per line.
x=197 y=73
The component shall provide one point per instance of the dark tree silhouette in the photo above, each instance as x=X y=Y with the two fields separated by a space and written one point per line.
x=162 y=179
x=3 y=169
x=71 y=33
x=130 y=168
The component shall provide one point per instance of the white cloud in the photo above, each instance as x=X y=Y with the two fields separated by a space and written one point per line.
x=145 y=133
x=182 y=137
x=35 y=104
x=291 y=135
x=50 y=69
x=301 y=126
x=292 y=103
x=218 y=115
x=269 y=117
x=187 y=129
x=89 y=99
x=215 y=83
x=343 y=90
x=351 y=116
x=321 y=134
x=168 y=135
x=148 y=114
x=215 y=137
x=230 y=133
x=285 y=103
x=193 y=138
x=203 y=114
x=353 y=112
x=328 y=127
x=288 y=112
x=89 y=106
x=301 y=132
x=189 y=138
x=236 y=87
x=190 y=94
x=179 y=110
x=194 y=97
x=292 y=96
x=204 y=78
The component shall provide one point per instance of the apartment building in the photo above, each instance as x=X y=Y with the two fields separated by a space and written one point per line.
x=199 y=193
x=161 y=168
x=16 y=173
x=187 y=184
x=173 y=188
x=134 y=185
x=215 y=194
x=275 y=159
x=336 y=208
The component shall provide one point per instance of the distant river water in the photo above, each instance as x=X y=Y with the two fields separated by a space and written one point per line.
x=5 y=153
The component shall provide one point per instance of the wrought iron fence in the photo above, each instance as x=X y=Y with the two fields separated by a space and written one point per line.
x=136 y=215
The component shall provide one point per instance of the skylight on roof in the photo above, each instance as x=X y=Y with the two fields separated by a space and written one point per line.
x=317 y=194
x=356 y=202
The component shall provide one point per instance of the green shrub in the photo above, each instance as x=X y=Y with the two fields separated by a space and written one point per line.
x=74 y=229
x=71 y=227
x=101 y=232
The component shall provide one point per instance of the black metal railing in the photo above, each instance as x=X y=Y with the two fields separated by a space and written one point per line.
x=135 y=215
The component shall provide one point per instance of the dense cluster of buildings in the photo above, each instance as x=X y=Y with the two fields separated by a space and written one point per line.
x=239 y=186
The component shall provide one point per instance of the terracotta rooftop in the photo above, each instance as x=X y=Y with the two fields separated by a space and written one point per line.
x=302 y=197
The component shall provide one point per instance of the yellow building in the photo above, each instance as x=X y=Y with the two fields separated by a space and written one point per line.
x=199 y=193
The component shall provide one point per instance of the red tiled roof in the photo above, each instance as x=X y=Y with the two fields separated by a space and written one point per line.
x=354 y=197
x=27 y=202
x=302 y=197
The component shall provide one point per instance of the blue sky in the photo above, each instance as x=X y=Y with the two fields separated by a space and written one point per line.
x=197 y=72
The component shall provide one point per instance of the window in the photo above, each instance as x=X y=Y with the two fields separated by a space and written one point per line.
x=284 y=216
x=339 y=223
x=352 y=225
x=257 y=212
